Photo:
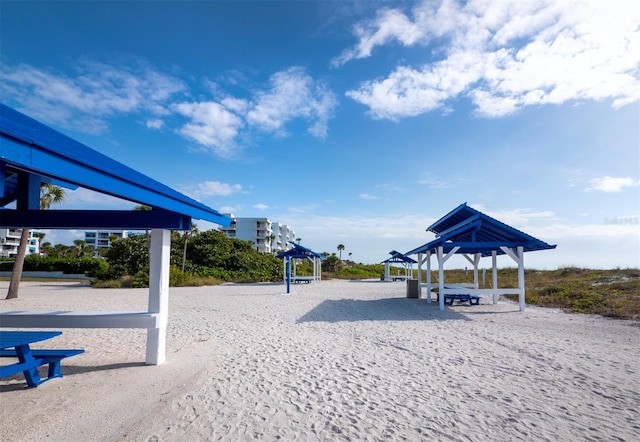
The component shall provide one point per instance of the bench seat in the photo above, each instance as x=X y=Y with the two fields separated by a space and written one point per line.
x=42 y=357
x=471 y=299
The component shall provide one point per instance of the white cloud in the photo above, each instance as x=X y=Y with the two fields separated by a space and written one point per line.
x=611 y=184
x=155 y=123
x=368 y=196
x=98 y=91
x=261 y=206
x=212 y=188
x=211 y=125
x=434 y=183
x=504 y=55
x=292 y=94
x=520 y=217
x=85 y=101
x=389 y=25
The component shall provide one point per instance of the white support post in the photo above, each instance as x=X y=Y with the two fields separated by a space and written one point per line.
x=159 y=255
x=518 y=257
x=441 y=260
x=429 y=277
x=521 y=277
x=386 y=271
x=476 y=261
x=284 y=270
x=419 y=275
x=494 y=282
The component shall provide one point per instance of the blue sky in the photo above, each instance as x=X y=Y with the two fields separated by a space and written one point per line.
x=356 y=123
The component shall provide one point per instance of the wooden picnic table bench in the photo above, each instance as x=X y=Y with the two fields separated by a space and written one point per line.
x=16 y=344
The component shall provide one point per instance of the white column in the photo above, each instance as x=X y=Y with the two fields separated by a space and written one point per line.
x=429 y=277
x=494 y=274
x=476 y=261
x=521 y=277
x=441 y=277
x=159 y=255
x=419 y=275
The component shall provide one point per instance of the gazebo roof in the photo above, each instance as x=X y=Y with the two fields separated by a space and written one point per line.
x=299 y=252
x=397 y=257
x=474 y=232
x=32 y=153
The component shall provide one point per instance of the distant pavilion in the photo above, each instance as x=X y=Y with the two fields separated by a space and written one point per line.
x=300 y=252
x=404 y=261
x=472 y=234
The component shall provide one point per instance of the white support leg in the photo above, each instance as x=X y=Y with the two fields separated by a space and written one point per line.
x=476 y=261
x=429 y=277
x=419 y=275
x=521 y=277
x=518 y=257
x=441 y=277
x=159 y=254
x=494 y=282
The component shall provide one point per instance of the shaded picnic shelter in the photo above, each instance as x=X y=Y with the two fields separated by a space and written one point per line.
x=32 y=154
x=300 y=252
x=474 y=235
x=405 y=262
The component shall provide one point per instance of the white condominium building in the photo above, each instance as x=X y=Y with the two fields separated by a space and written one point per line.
x=266 y=236
x=99 y=239
x=10 y=240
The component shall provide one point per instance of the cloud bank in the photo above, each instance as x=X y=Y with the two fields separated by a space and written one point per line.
x=503 y=56
x=98 y=92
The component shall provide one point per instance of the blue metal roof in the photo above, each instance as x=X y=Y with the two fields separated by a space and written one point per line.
x=399 y=257
x=299 y=252
x=475 y=232
x=31 y=153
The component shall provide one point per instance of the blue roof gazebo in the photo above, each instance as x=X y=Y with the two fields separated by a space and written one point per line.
x=32 y=154
x=398 y=258
x=300 y=252
x=474 y=235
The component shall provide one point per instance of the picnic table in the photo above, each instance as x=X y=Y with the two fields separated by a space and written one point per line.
x=16 y=344
x=302 y=279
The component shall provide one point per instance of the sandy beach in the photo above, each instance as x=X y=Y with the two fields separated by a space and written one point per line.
x=338 y=360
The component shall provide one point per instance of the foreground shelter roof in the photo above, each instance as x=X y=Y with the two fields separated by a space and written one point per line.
x=32 y=153
x=471 y=231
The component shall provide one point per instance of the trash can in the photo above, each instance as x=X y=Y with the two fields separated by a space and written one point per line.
x=412 y=288
x=381 y=276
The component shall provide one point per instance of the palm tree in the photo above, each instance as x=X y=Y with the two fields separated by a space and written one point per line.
x=45 y=248
x=271 y=238
x=79 y=243
x=340 y=249
x=187 y=234
x=49 y=194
